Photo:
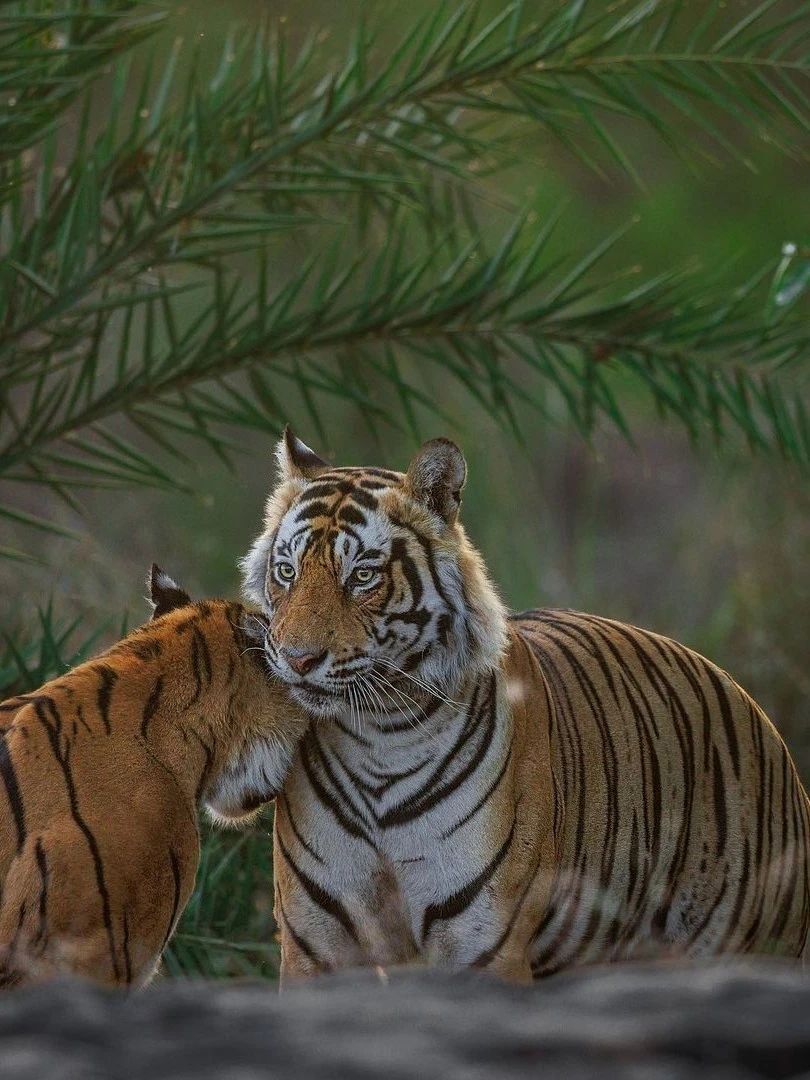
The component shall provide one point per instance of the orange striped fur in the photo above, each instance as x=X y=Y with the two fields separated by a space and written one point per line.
x=101 y=774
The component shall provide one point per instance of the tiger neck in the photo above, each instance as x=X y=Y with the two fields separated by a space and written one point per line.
x=189 y=744
x=190 y=727
x=422 y=727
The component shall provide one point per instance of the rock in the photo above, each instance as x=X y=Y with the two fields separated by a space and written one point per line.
x=718 y=1021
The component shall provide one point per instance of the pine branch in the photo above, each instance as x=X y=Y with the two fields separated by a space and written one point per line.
x=183 y=183
x=49 y=57
x=178 y=165
x=711 y=365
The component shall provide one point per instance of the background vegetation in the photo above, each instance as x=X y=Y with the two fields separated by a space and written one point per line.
x=573 y=237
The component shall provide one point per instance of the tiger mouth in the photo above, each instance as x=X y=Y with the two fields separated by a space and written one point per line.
x=319 y=691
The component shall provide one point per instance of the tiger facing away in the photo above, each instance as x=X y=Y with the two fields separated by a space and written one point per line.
x=513 y=793
x=101 y=774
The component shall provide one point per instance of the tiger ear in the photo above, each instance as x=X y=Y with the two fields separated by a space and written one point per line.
x=164 y=594
x=436 y=477
x=295 y=459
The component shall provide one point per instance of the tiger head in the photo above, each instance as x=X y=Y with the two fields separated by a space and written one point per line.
x=363 y=570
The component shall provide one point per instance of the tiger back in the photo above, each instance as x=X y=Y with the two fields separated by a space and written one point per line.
x=101 y=774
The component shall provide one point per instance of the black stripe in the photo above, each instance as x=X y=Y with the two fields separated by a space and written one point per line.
x=490 y=791
x=301 y=941
x=609 y=758
x=351 y=827
x=459 y=902
x=742 y=889
x=349 y=733
x=488 y=955
x=356 y=783
x=350 y=515
x=430 y=794
x=284 y=806
x=719 y=801
x=313 y=509
x=328 y=489
x=42 y=866
x=383 y=474
x=150 y=708
x=728 y=721
x=207 y=766
x=108 y=679
x=319 y=896
x=195 y=666
x=81 y=719
x=84 y=828
x=13 y=791
x=387 y=780
x=205 y=655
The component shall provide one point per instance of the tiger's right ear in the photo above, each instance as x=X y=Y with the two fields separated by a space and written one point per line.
x=436 y=477
x=295 y=459
x=164 y=594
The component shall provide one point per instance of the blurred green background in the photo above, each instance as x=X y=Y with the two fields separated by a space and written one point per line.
x=709 y=546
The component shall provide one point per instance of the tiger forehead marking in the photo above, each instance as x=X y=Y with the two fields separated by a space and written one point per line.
x=338 y=519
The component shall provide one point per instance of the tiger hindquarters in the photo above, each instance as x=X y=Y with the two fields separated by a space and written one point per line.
x=52 y=925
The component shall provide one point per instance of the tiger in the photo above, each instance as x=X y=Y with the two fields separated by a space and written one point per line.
x=102 y=771
x=515 y=793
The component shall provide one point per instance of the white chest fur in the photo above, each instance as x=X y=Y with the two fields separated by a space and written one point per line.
x=392 y=813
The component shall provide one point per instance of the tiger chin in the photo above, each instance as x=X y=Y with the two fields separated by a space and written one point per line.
x=102 y=772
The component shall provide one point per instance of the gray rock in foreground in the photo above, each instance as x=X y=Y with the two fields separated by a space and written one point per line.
x=719 y=1021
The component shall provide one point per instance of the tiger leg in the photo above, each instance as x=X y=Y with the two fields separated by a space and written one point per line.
x=53 y=920
x=298 y=957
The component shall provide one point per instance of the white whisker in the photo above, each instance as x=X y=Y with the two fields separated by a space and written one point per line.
x=353 y=707
x=411 y=715
x=428 y=687
x=372 y=695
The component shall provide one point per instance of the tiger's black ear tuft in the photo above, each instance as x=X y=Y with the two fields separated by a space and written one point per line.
x=436 y=477
x=295 y=459
x=164 y=593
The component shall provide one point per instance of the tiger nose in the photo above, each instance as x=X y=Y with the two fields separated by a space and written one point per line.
x=303 y=660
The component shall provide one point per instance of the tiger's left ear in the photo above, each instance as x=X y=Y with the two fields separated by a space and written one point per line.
x=436 y=477
x=295 y=459
x=164 y=594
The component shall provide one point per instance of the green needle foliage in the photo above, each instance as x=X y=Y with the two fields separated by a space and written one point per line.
x=145 y=215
